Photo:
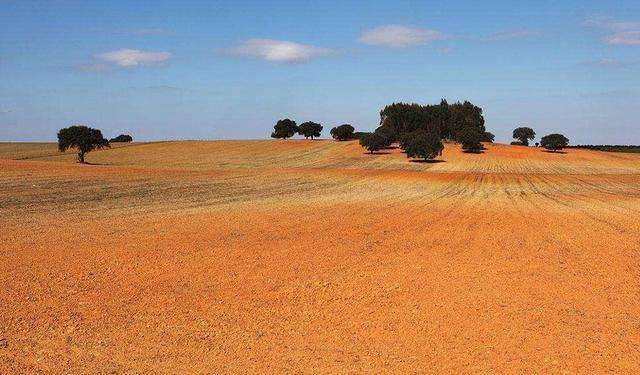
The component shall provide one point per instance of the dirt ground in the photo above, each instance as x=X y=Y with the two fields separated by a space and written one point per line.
x=311 y=256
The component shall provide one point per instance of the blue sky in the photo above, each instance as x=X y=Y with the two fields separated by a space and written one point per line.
x=226 y=69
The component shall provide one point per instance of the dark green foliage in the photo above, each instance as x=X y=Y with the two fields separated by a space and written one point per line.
x=343 y=132
x=373 y=142
x=524 y=134
x=610 y=148
x=554 y=142
x=516 y=143
x=359 y=135
x=448 y=118
x=284 y=129
x=82 y=138
x=310 y=129
x=387 y=134
x=423 y=144
x=488 y=137
x=470 y=139
x=122 y=138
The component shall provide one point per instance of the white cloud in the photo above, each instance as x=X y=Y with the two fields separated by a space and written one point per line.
x=134 y=57
x=513 y=34
x=624 y=33
x=279 y=50
x=396 y=36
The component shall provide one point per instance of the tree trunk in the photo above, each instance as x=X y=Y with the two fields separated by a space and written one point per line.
x=81 y=157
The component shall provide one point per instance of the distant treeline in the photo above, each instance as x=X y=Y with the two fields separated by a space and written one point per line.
x=609 y=148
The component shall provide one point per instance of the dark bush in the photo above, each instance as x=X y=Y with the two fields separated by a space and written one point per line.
x=122 y=138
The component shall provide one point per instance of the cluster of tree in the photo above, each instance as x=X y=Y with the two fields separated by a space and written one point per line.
x=82 y=138
x=125 y=138
x=609 y=148
x=450 y=120
x=553 y=142
x=420 y=129
x=287 y=128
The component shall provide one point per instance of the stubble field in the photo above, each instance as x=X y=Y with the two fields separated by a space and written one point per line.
x=311 y=256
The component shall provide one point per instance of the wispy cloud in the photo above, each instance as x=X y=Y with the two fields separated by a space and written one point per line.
x=133 y=57
x=626 y=33
x=397 y=36
x=279 y=51
x=512 y=34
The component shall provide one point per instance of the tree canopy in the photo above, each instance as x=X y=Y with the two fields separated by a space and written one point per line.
x=122 y=138
x=284 y=129
x=373 y=142
x=343 y=132
x=310 y=129
x=470 y=139
x=422 y=143
x=523 y=135
x=82 y=138
x=488 y=137
x=449 y=119
x=554 y=142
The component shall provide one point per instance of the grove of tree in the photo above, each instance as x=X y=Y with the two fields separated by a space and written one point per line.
x=422 y=143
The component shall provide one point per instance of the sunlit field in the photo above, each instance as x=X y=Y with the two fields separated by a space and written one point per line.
x=313 y=256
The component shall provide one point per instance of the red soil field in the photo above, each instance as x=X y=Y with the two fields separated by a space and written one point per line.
x=312 y=256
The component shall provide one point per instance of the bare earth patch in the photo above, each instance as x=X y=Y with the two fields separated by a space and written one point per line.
x=301 y=256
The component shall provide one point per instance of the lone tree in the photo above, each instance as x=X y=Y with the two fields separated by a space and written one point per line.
x=284 y=129
x=523 y=135
x=82 y=138
x=470 y=139
x=373 y=142
x=343 y=132
x=122 y=138
x=422 y=144
x=554 y=142
x=310 y=129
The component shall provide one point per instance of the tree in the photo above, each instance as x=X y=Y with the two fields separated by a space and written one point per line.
x=424 y=144
x=387 y=134
x=524 y=134
x=488 y=137
x=470 y=139
x=284 y=129
x=343 y=132
x=310 y=129
x=82 y=138
x=554 y=142
x=373 y=142
x=122 y=138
